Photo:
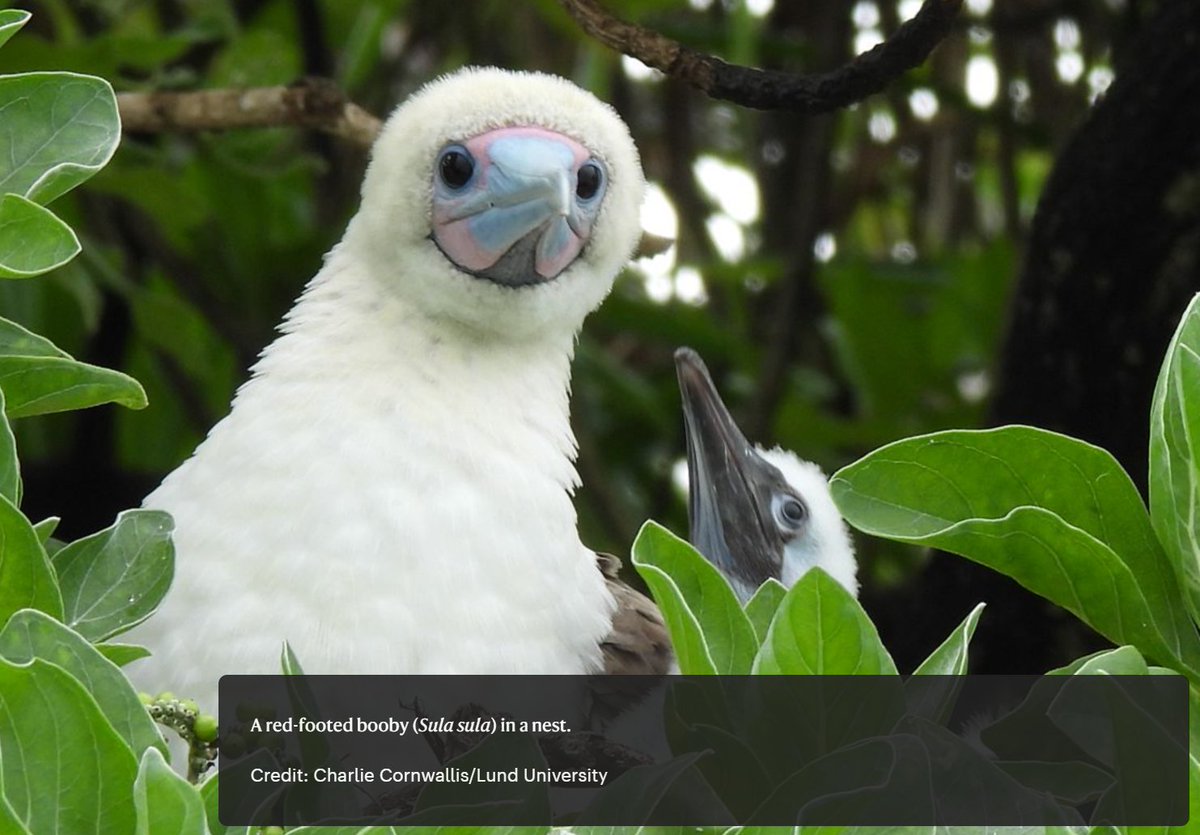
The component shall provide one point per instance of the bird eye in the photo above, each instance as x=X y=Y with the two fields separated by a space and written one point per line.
x=790 y=512
x=588 y=181
x=455 y=166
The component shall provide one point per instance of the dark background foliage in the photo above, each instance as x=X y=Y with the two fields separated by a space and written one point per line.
x=851 y=278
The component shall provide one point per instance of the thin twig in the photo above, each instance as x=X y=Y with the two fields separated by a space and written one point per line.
x=770 y=89
x=310 y=102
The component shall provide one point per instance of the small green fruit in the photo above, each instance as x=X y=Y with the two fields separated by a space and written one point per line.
x=146 y=699
x=205 y=727
x=165 y=696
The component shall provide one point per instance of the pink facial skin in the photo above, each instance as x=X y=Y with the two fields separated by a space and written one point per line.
x=523 y=183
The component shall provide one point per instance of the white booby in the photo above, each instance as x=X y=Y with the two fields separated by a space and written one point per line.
x=755 y=513
x=391 y=492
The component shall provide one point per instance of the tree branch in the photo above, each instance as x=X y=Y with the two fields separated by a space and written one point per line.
x=310 y=102
x=770 y=89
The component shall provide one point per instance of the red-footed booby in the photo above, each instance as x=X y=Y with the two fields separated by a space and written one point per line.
x=755 y=513
x=391 y=492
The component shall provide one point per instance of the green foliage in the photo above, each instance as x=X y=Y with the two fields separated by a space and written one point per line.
x=57 y=129
x=166 y=803
x=820 y=629
x=1058 y=515
x=66 y=770
x=31 y=634
x=113 y=579
x=1174 y=453
x=72 y=728
x=710 y=632
x=39 y=378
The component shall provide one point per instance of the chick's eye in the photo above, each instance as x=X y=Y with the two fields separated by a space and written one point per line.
x=588 y=181
x=456 y=167
x=790 y=511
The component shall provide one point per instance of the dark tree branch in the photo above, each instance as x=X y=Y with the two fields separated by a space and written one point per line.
x=771 y=89
x=310 y=102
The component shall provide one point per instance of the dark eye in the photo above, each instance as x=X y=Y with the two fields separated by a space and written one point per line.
x=790 y=512
x=456 y=167
x=589 y=180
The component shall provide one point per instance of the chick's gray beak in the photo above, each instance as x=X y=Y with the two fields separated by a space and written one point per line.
x=728 y=485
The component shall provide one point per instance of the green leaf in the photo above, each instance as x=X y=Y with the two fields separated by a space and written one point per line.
x=166 y=803
x=1058 y=515
x=820 y=629
x=210 y=795
x=763 y=605
x=46 y=528
x=10 y=467
x=57 y=129
x=950 y=659
x=33 y=240
x=26 y=578
x=934 y=688
x=1122 y=661
x=10 y=21
x=710 y=631
x=16 y=341
x=113 y=579
x=38 y=378
x=31 y=634
x=288 y=661
x=1175 y=455
x=122 y=654
x=65 y=769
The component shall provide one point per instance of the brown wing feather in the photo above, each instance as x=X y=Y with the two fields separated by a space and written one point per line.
x=638 y=643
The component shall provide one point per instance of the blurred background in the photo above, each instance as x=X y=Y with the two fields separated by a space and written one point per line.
x=851 y=278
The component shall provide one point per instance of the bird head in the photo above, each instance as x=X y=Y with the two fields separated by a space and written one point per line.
x=504 y=201
x=754 y=513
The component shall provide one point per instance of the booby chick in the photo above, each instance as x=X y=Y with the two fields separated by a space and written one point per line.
x=392 y=490
x=755 y=513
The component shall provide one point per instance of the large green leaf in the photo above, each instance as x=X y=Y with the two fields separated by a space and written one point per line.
x=820 y=629
x=38 y=378
x=10 y=467
x=66 y=771
x=10 y=21
x=26 y=578
x=33 y=240
x=710 y=631
x=113 y=579
x=166 y=803
x=31 y=634
x=1058 y=515
x=57 y=129
x=1175 y=455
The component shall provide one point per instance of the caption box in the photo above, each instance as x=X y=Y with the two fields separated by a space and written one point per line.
x=700 y=751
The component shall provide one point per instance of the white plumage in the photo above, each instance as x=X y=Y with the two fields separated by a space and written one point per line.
x=391 y=491
x=826 y=542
